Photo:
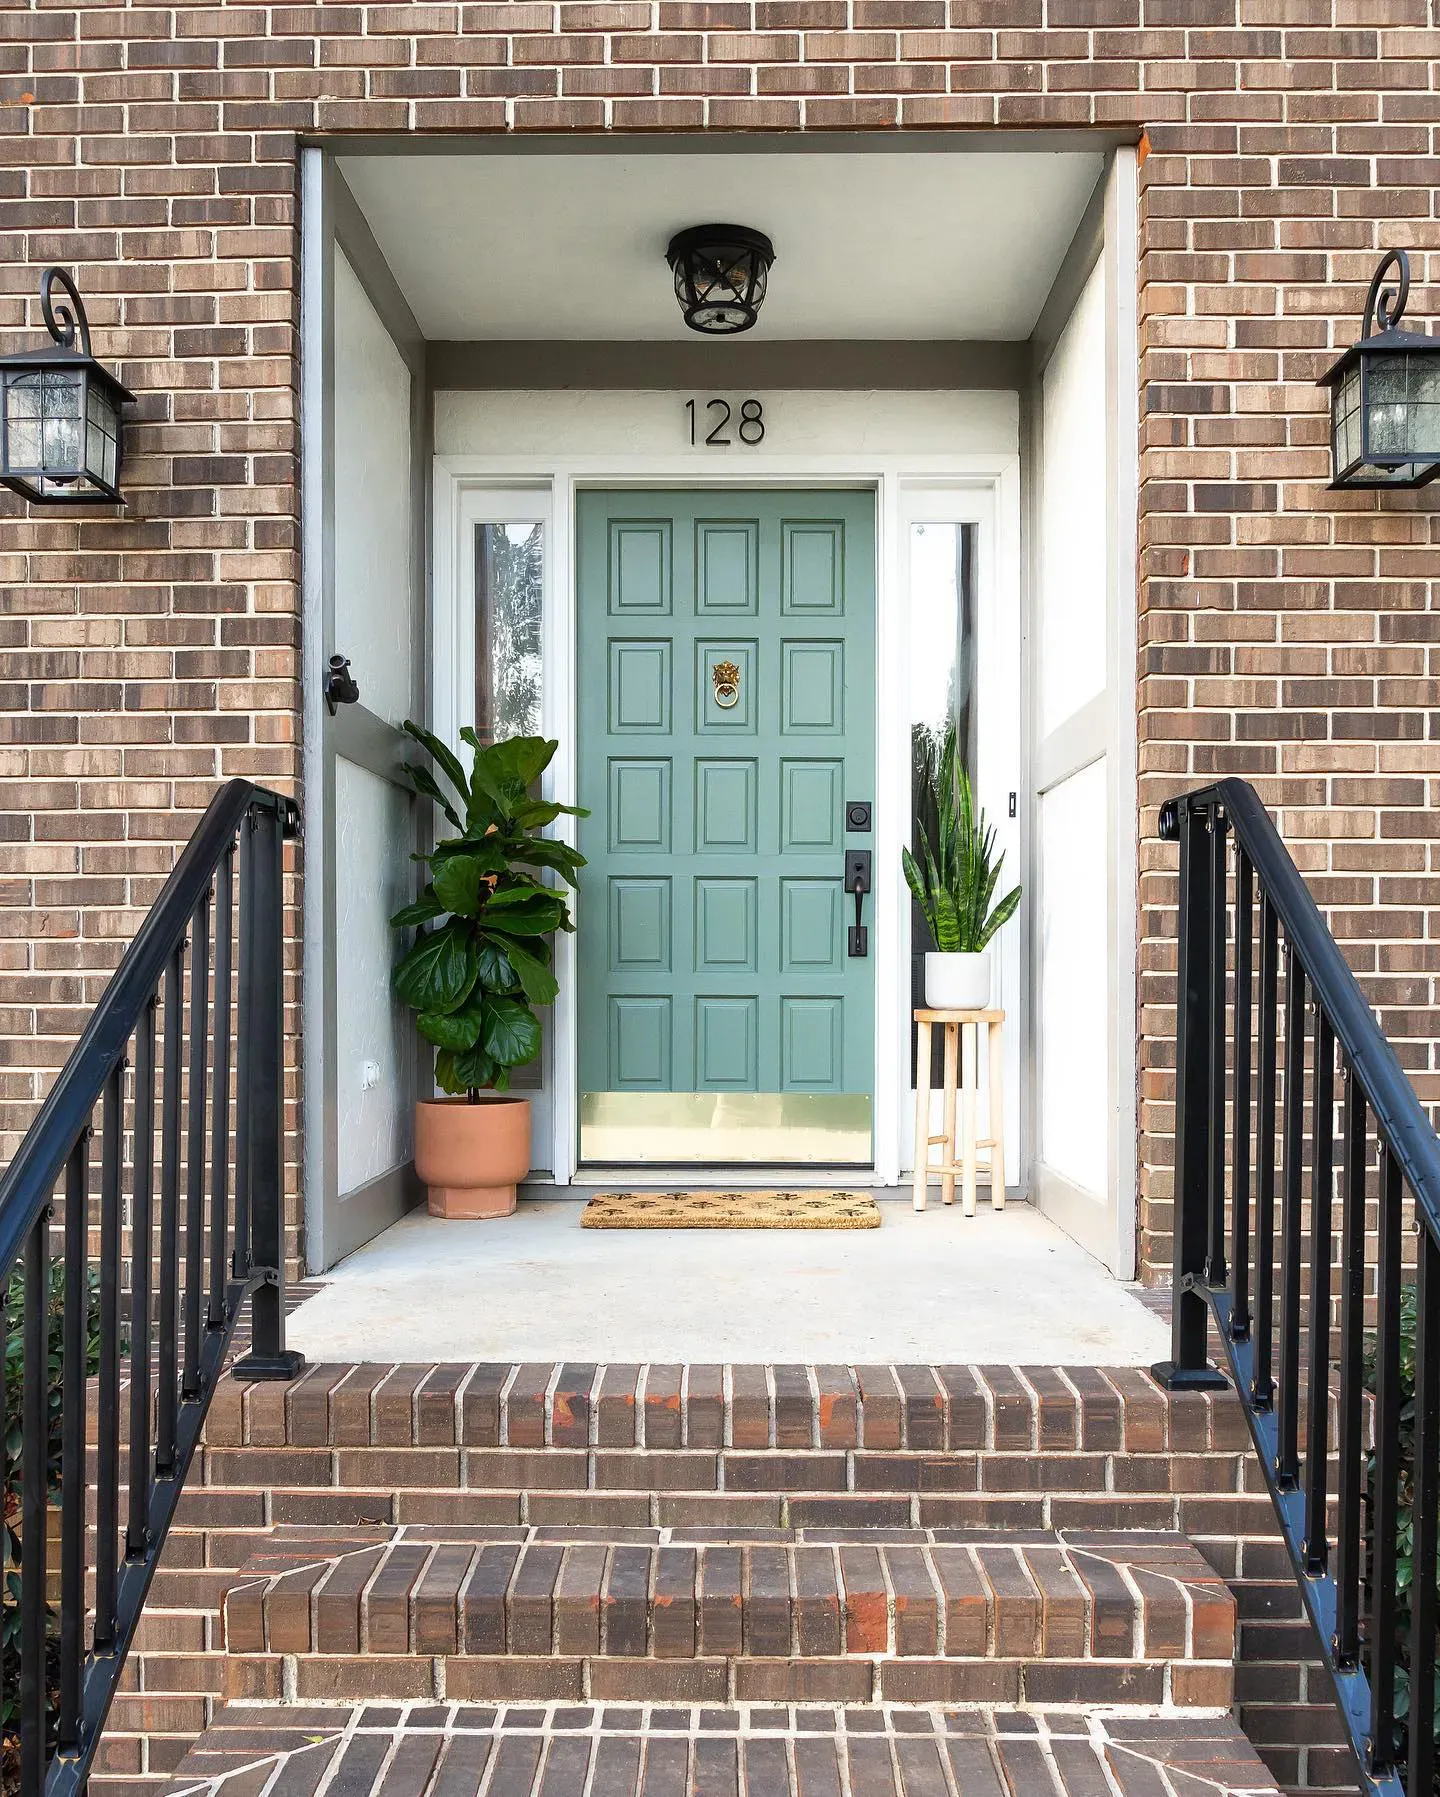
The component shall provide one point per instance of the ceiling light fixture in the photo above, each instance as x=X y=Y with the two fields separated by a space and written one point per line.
x=720 y=276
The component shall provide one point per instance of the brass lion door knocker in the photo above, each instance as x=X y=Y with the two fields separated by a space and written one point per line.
x=726 y=676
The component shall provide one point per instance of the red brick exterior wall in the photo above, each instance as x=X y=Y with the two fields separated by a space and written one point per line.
x=1284 y=633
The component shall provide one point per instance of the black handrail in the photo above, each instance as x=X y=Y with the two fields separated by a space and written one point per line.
x=192 y=1261
x=1282 y=1022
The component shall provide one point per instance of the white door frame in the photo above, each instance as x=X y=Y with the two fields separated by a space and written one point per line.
x=985 y=487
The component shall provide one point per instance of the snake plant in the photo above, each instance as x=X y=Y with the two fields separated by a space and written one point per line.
x=955 y=878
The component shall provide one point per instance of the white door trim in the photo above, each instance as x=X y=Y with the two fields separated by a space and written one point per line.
x=992 y=481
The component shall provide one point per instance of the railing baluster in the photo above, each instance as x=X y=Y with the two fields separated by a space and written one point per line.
x=265 y=1075
x=142 y=1253
x=107 y=1402
x=240 y=1259
x=1287 y=1467
x=1215 y=1271
x=1188 y=1367
x=220 y=1093
x=1262 y=1389
x=1384 y=1508
x=34 y=1467
x=166 y=1344
x=1240 y=1141
x=1348 y=1558
x=74 y=1346
x=1425 y=1501
x=1322 y=1196
x=195 y=1148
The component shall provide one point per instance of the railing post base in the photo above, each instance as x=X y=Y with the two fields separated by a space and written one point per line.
x=1170 y=1377
x=288 y=1364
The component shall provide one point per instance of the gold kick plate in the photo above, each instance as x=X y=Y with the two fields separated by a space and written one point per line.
x=726 y=1128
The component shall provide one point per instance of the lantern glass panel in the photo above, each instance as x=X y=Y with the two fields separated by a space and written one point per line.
x=1402 y=403
x=63 y=399
x=1345 y=403
x=102 y=435
x=24 y=397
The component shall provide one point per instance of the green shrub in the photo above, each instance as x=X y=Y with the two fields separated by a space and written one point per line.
x=15 y=1468
x=1405 y=1513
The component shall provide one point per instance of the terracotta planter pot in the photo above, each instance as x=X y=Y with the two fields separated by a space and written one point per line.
x=471 y=1155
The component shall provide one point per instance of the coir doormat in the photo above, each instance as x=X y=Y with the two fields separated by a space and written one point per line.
x=731 y=1210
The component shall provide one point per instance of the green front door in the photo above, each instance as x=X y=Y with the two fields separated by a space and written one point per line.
x=726 y=718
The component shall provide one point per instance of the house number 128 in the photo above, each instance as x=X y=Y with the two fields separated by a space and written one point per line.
x=712 y=423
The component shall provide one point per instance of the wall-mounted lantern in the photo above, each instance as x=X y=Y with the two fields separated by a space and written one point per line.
x=60 y=423
x=1385 y=395
x=720 y=275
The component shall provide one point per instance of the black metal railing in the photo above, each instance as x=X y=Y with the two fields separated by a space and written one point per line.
x=1265 y=994
x=147 y=1292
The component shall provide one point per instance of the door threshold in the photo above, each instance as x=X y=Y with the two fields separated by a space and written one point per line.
x=712 y=1177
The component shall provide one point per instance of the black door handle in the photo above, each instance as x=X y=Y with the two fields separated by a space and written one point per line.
x=340 y=685
x=857 y=880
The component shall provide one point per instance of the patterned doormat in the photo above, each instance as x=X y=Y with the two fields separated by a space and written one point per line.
x=731 y=1210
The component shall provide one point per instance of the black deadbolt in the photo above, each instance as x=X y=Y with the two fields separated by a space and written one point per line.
x=857 y=814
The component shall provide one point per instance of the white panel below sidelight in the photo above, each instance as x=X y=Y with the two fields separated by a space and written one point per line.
x=1074 y=1003
x=373 y=878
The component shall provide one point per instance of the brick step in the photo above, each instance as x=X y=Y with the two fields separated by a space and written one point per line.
x=987 y=1410
x=848 y=1616
x=429 y=1749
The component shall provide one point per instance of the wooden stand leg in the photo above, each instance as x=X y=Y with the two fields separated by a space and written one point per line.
x=996 y=1126
x=970 y=1056
x=922 y=1112
x=952 y=1051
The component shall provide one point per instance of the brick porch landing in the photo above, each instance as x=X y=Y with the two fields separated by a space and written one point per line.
x=582 y=1750
x=1007 y=1288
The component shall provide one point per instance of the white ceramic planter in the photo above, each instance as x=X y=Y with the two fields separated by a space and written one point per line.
x=957 y=982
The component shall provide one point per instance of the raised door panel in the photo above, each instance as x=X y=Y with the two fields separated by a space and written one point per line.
x=727 y=567
x=641 y=567
x=813 y=568
x=640 y=696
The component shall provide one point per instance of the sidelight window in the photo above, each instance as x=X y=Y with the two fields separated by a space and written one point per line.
x=509 y=594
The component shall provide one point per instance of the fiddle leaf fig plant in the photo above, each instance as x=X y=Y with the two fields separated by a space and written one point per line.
x=481 y=959
x=955 y=878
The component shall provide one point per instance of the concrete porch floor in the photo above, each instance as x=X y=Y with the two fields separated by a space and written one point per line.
x=1004 y=1287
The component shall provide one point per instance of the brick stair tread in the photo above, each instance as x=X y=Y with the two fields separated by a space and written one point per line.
x=822 y=1596
x=429 y=1749
x=665 y=1408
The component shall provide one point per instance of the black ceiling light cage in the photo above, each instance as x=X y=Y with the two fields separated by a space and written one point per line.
x=1385 y=394
x=60 y=420
x=720 y=275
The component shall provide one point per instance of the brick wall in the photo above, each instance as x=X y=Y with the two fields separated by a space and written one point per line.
x=1284 y=632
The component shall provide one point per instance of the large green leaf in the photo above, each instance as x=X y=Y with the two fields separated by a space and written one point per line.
x=424 y=782
x=538 y=812
x=448 y=760
x=477 y=1067
x=496 y=972
x=541 y=852
x=439 y=971
x=540 y=985
x=455 y=1030
x=469 y=1071
x=457 y=884
x=511 y=1031
x=519 y=760
x=527 y=910
x=426 y=907
x=537 y=914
